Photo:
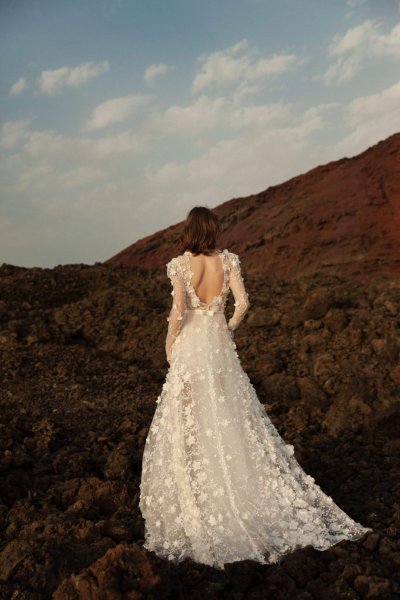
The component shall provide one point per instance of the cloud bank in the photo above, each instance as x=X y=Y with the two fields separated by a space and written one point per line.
x=51 y=82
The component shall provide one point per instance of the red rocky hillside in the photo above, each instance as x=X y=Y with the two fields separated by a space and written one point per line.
x=340 y=218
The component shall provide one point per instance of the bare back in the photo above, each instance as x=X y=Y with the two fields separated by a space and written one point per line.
x=208 y=276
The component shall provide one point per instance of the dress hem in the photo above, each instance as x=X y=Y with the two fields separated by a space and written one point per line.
x=275 y=557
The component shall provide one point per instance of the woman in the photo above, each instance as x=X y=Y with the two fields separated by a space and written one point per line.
x=218 y=483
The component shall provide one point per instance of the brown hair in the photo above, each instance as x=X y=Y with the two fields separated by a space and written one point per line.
x=200 y=231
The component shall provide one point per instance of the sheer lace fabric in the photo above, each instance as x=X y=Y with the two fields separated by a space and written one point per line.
x=185 y=297
x=219 y=484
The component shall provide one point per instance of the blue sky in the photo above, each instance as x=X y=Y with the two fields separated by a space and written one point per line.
x=118 y=116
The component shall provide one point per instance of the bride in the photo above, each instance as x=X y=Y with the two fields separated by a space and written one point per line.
x=218 y=482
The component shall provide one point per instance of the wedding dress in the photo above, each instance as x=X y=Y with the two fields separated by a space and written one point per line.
x=218 y=482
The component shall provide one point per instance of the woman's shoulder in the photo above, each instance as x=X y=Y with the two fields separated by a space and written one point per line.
x=174 y=266
x=234 y=259
x=177 y=263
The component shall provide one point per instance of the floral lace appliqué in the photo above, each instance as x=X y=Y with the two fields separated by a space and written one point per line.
x=219 y=484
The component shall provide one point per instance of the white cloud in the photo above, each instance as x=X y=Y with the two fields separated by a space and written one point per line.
x=259 y=116
x=318 y=109
x=244 y=89
x=343 y=70
x=353 y=38
x=43 y=177
x=204 y=114
x=12 y=132
x=52 y=146
x=384 y=103
x=51 y=82
x=240 y=166
x=48 y=160
x=213 y=113
x=122 y=144
x=237 y=64
x=19 y=86
x=244 y=164
x=114 y=111
x=371 y=118
x=155 y=72
x=359 y=45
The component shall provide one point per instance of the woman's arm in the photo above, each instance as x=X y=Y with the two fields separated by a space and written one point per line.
x=178 y=309
x=239 y=292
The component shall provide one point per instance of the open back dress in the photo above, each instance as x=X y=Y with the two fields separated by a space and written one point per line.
x=219 y=484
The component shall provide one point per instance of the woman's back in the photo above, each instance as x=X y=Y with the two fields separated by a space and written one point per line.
x=208 y=275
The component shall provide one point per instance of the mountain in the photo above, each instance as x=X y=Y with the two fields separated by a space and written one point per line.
x=339 y=218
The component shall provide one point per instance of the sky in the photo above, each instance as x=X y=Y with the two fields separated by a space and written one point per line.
x=118 y=116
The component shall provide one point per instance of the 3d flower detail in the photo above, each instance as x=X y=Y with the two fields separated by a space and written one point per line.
x=186 y=476
x=289 y=449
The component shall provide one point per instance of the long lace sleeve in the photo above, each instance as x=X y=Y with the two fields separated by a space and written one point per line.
x=178 y=309
x=239 y=292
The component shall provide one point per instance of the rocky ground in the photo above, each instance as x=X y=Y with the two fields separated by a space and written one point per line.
x=82 y=363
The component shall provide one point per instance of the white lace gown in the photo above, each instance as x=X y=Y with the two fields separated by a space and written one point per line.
x=218 y=482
